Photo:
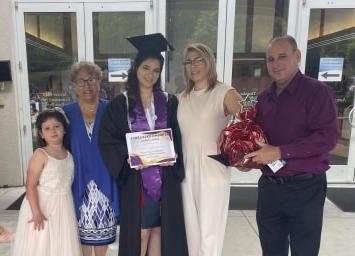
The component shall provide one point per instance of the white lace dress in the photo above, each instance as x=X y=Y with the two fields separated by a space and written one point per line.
x=60 y=235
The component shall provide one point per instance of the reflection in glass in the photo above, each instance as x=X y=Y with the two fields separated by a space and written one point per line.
x=263 y=23
x=110 y=30
x=188 y=21
x=327 y=21
x=256 y=22
x=51 y=44
x=332 y=35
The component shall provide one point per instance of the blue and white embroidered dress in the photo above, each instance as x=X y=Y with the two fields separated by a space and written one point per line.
x=95 y=192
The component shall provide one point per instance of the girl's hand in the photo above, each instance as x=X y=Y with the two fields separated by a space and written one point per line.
x=36 y=165
x=38 y=221
x=6 y=236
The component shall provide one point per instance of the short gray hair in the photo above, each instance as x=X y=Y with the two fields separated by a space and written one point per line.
x=90 y=67
x=290 y=39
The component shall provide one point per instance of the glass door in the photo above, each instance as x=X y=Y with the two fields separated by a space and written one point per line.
x=107 y=26
x=51 y=39
x=53 y=36
x=250 y=25
x=328 y=47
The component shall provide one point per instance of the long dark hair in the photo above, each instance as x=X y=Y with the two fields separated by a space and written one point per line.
x=132 y=84
x=57 y=115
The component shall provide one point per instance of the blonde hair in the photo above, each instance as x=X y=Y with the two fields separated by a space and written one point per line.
x=207 y=54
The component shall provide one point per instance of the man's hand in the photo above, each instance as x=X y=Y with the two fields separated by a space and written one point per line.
x=265 y=155
x=243 y=169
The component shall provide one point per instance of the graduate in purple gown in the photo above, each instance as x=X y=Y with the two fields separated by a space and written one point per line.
x=152 y=221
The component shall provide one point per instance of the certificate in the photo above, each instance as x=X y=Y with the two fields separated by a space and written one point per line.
x=150 y=147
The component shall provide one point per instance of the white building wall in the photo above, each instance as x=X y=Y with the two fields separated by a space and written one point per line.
x=10 y=158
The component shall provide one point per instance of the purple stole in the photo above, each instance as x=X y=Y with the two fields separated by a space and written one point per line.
x=151 y=176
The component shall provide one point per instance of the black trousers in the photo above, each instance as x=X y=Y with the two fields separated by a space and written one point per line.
x=290 y=214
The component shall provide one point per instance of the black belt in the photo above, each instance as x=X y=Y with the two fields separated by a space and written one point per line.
x=288 y=179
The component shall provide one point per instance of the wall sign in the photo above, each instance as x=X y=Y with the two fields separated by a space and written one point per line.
x=330 y=69
x=118 y=69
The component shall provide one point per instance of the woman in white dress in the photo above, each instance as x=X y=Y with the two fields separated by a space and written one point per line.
x=47 y=224
x=204 y=107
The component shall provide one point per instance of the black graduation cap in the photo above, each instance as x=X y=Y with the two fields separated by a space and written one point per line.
x=150 y=44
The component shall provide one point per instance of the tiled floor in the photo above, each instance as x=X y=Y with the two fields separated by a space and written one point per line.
x=241 y=239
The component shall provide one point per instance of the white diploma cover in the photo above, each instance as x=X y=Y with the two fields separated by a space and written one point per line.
x=150 y=147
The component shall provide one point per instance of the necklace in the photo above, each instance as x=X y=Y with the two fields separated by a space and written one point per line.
x=89 y=108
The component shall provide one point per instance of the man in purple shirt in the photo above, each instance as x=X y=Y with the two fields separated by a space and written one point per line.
x=298 y=115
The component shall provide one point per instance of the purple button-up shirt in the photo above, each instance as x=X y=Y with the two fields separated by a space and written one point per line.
x=302 y=121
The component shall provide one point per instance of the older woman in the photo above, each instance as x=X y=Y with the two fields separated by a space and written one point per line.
x=203 y=112
x=95 y=192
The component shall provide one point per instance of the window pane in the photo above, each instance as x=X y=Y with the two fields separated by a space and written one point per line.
x=110 y=30
x=240 y=25
x=256 y=22
x=188 y=21
x=263 y=24
x=331 y=35
x=51 y=44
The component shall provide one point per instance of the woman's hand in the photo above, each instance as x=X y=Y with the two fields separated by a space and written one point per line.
x=140 y=167
x=38 y=220
x=169 y=163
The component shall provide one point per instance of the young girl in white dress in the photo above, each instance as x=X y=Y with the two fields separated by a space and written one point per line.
x=47 y=224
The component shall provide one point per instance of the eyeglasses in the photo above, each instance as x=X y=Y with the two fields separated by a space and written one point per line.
x=196 y=62
x=90 y=82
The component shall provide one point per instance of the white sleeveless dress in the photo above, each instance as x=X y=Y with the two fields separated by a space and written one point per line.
x=60 y=235
x=205 y=189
